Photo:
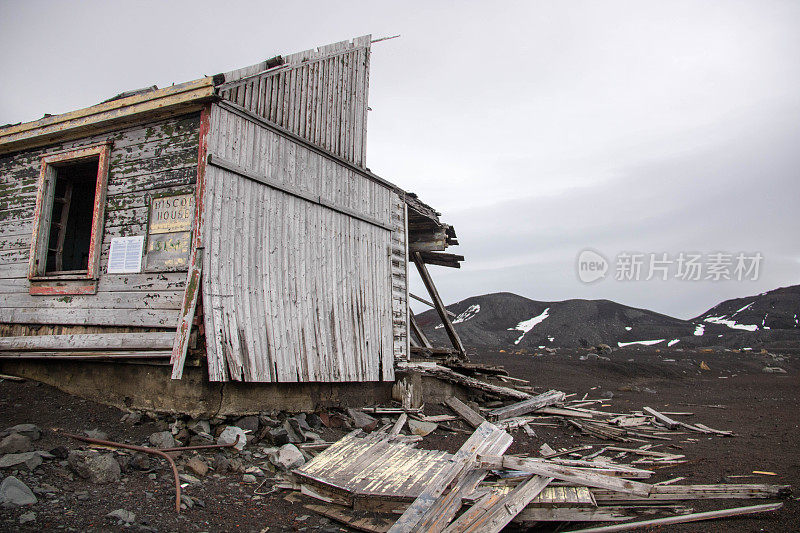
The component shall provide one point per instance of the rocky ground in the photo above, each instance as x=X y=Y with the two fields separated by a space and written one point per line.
x=64 y=484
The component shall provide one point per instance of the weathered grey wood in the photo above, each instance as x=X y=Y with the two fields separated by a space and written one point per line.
x=693 y=517
x=464 y=411
x=500 y=513
x=180 y=344
x=664 y=419
x=455 y=377
x=545 y=399
x=430 y=304
x=566 y=473
x=221 y=162
x=661 y=493
x=439 y=305
x=596 y=514
x=418 y=331
x=143 y=160
x=449 y=503
x=318 y=94
x=298 y=291
x=87 y=355
x=486 y=435
x=95 y=341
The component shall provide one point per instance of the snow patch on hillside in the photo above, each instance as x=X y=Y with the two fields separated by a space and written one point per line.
x=526 y=325
x=465 y=315
x=730 y=323
x=699 y=330
x=645 y=343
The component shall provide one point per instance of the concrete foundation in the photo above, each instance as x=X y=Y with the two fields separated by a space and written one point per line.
x=149 y=387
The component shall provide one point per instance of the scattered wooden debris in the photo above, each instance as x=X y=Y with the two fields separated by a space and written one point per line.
x=465 y=412
x=524 y=407
x=361 y=476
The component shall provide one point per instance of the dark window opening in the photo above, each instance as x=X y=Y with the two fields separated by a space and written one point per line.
x=70 y=232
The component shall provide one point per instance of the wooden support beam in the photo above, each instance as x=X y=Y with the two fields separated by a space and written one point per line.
x=438 y=304
x=430 y=304
x=423 y=339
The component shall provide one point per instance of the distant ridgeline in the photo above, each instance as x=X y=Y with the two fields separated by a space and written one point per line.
x=505 y=320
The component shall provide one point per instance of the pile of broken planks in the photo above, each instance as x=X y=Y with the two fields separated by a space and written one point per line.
x=383 y=482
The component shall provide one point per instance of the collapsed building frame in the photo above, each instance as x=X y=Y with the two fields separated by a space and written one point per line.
x=234 y=230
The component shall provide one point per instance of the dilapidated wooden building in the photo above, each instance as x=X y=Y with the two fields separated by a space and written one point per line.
x=228 y=223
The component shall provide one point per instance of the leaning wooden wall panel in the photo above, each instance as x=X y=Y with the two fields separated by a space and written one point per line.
x=399 y=279
x=319 y=94
x=154 y=158
x=294 y=290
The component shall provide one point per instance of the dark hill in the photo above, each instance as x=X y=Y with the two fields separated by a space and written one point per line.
x=506 y=320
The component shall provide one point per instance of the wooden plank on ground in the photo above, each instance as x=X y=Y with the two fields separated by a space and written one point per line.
x=566 y=473
x=545 y=399
x=448 y=504
x=495 y=517
x=664 y=419
x=694 y=517
x=464 y=411
x=483 y=437
x=662 y=493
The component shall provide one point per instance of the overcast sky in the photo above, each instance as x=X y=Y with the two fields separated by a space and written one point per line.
x=538 y=129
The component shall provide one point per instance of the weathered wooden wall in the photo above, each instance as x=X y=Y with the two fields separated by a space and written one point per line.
x=319 y=94
x=153 y=158
x=300 y=251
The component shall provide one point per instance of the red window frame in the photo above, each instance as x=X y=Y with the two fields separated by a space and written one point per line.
x=44 y=206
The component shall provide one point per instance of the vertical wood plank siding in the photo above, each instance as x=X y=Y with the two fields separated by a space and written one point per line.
x=320 y=95
x=159 y=157
x=294 y=290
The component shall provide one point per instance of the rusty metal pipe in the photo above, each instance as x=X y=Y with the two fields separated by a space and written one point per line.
x=144 y=449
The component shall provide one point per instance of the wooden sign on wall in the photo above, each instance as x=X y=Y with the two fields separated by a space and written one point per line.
x=169 y=232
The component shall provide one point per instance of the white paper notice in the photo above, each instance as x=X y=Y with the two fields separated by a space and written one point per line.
x=126 y=255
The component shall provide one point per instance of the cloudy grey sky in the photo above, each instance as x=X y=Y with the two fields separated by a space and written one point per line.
x=539 y=129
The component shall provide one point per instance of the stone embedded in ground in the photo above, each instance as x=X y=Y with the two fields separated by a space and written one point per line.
x=773 y=370
x=82 y=495
x=249 y=478
x=14 y=492
x=229 y=434
x=162 y=439
x=295 y=430
x=140 y=461
x=29 y=430
x=24 y=518
x=287 y=457
x=123 y=516
x=31 y=460
x=131 y=418
x=16 y=443
x=60 y=452
x=200 y=426
x=197 y=465
x=362 y=420
x=221 y=463
x=248 y=423
x=96 y=434
x=418 y=427
x=96 y=467
x=314 y=421
x=278 y=436
x=188 y=478
x=201 y=439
